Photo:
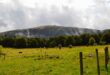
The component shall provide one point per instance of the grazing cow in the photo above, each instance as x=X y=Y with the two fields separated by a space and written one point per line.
x=20 y=52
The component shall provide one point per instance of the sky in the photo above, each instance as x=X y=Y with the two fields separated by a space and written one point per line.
x=20 y=14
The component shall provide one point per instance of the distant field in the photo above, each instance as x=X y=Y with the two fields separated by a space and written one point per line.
x=51 y=61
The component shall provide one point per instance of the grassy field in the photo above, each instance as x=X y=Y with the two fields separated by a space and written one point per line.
x=51 y=61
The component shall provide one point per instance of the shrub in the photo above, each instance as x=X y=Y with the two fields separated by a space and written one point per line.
x=102 y=43
x=92 y=41
x=70 y=46
x=59 y=46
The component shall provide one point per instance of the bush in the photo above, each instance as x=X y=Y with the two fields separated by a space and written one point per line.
x=59 y=46
x=92 y=41
x=70 y=46
x=102 y=43
x=95 y=44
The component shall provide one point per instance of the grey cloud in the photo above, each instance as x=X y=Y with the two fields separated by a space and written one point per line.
x=100 y=13
x=2 y=23
x=13 y=16
x=17 y=16
x=65 y=17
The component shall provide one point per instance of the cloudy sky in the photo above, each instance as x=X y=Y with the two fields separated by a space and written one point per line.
x=17 y=14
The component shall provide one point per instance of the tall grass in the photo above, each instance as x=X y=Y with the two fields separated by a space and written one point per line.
x=51 y=61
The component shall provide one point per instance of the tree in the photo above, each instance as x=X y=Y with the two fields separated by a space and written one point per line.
x=61 y=40
x=8 y=42
x=32 y=43
x=96 y=37
x=70 y=41
x=21 y=42
x=78 y=40
x=85 y=38
x=1 y=39
x=92 y=41
x=52 y=42
x=106 y=38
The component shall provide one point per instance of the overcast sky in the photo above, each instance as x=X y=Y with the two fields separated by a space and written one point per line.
x=17 y=14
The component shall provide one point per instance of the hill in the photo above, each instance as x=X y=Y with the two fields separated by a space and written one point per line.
x=49 y=31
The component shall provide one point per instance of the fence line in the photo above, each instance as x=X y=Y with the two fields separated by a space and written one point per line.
x=81 y=63
x=97 y=61
x=106 y=58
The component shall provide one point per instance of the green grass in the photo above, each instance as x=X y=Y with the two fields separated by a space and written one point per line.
x=51 y=61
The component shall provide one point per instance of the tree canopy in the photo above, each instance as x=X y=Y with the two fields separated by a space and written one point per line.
x=64 y=41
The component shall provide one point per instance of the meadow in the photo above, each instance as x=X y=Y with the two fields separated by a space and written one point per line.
x=52 y=61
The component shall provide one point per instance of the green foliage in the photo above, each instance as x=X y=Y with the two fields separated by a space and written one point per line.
x=106 y=38
x=61 y=40
x=8 y=42
x=70 y=40
x=85 y=38
x=102 y=43
x=78 y=40
x=92 y=41
x=32 y=43
x=59 y=46
x=21 y=42
x=52 y=43
x=64 y=41
x=96 y=37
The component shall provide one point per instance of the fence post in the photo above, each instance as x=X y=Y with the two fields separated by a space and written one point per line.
x=81 y=63
x=106 y=58
x=97 y=57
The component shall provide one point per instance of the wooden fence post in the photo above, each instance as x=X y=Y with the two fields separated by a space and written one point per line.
x=97 y=57
x=106 y=58
x=81 y=63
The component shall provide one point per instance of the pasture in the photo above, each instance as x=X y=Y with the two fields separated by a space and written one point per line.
x=52 y=61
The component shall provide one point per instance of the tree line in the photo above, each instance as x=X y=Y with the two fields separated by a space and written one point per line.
x=62 y=41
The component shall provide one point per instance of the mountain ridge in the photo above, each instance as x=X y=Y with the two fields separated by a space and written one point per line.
x=49 y=31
